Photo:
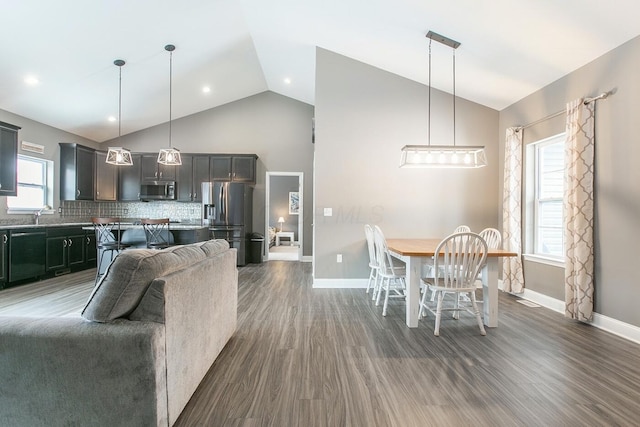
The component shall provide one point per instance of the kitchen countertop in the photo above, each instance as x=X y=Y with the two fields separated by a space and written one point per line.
x=88 y=225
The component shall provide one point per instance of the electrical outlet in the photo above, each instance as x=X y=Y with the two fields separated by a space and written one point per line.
x=339 y=258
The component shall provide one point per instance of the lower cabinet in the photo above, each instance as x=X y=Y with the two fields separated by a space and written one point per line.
x=66 y=249
x=26 y=253
x=4 y=258
x=91 y=254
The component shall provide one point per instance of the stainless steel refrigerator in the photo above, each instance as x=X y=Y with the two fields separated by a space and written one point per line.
x=227 y=208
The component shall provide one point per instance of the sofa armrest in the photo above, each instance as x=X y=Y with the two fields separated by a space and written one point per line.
x=68 y=371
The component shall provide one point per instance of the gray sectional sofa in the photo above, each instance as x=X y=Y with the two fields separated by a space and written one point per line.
x=150 y=331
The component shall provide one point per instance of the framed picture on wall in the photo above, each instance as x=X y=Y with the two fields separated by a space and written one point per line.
x=294 y=203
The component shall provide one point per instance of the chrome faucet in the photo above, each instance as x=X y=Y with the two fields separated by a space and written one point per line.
x=36 y=215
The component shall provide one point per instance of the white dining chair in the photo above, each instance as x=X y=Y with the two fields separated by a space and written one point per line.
x=392 y=277
x=373 y=262
x=458 y=229
x=458 y=259
x=493 y=238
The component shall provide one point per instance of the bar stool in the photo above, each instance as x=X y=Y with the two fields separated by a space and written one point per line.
x=107 y=240
x=157 y=233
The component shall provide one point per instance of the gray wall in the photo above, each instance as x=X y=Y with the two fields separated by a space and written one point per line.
x=276 y=128
x=364 y=116
x=49 y=137
x=279 y=189
x=617 y=176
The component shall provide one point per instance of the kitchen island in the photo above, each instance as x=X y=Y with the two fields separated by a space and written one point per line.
x=32 y=252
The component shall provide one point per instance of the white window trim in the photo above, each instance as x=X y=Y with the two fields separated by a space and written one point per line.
x=49 y=194
x=555 y=262
x=530 y=206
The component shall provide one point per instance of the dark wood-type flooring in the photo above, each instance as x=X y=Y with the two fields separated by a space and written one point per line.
x=327 y=357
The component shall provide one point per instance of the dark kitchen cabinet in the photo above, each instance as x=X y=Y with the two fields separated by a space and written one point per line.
x=193 y=172
x=4 y=258
x=27 y=253
x=91 y=251
x=235 y=168
x=106 y=178
x=154 y=171
x=8 y=159
x=77 y=169
x=66 y=247
x=129 y=180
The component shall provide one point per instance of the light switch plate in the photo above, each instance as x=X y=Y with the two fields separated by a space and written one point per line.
x=328 y=211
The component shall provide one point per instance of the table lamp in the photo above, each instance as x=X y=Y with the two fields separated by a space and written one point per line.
x=281 y=221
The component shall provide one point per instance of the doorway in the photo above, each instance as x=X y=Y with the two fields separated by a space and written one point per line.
x=284 y=215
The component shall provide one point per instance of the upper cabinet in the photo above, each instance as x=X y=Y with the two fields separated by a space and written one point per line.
x=234 y=167
x=154 y=171
x=8 y=159
x=106 y=178
x=191 y=174
x=77 y=169
x=129 y=180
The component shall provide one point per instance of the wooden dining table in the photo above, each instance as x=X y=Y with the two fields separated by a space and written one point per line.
x=416 y=252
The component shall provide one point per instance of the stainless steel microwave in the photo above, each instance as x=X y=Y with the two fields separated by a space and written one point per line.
x=158 y=190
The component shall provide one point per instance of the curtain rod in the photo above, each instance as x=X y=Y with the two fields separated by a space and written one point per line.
x=603 y=95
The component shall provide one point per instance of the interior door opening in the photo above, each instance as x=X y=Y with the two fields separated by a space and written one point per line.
x=284 y=216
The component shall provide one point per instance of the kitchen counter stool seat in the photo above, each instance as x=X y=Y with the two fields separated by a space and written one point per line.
x=157 y=233
x=107 y=240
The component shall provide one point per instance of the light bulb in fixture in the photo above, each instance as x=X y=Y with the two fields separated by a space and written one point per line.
x=206 y=89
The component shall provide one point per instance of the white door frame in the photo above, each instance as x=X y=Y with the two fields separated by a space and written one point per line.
x=300 y=176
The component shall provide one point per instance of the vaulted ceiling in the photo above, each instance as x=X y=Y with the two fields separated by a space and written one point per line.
x=238 y=48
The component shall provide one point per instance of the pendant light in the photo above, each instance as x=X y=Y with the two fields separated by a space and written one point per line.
x=117 y=155
x=442 y=156
x=170 y=156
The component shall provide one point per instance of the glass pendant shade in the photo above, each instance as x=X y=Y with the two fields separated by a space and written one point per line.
x=442 y=156
x=170 y=156
x=119 y=156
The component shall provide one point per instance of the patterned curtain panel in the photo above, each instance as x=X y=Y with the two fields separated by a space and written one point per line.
x=512 y=277
x=578 y=211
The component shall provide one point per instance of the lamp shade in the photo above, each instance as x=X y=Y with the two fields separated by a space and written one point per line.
x=119 y=156
x=170 y=157
x=281 y=220
x=442 y=156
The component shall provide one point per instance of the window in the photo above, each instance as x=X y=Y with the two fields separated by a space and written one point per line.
x=33 y=185
x=545 y=189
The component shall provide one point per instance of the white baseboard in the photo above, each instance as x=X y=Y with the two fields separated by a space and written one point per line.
x=340 y=283
x=609 y=324
x=307 y=258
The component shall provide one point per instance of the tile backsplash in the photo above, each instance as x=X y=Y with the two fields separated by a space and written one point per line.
x=73 y=211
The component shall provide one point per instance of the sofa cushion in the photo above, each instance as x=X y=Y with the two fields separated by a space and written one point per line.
x=128 y=277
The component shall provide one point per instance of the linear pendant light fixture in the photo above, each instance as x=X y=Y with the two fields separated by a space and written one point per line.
x=170 y=156
x=442 y=156
x=117 y=155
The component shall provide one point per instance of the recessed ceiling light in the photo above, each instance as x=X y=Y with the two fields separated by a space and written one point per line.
x=287 y=80
x=31 y=80
x=111 y=119
x=206 y=89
